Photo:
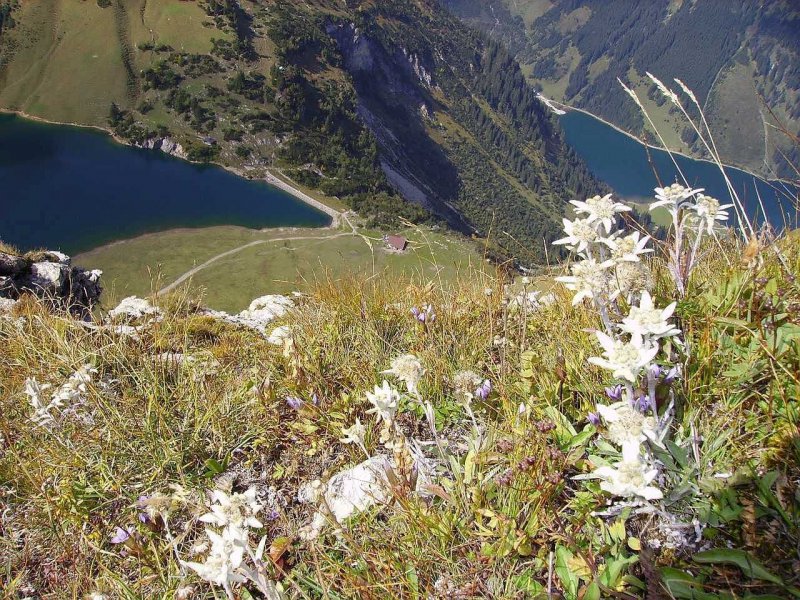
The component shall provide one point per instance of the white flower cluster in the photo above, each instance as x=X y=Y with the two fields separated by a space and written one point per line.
x=67 y=397
x=606 y=254
x=226 y=562
x=630 y=344
x=693 y=214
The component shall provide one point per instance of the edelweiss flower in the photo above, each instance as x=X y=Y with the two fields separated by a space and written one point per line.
x=602 y=209
x=631 y=278
x=628 y=248
x=580 y=233
x=466 y=383
x=629 y=477
x=408 y=369
x=626 y=426
x=624 y=359
x=674 y=197
x=588 y=278
x=354 y=434
x=709 y=211
x=384 y=402
x=646 y=320
x=236 y=510
x=225 y=558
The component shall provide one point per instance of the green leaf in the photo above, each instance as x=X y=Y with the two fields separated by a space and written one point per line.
x=569 y=580
x=592 y=592
x=749 y=566
x=678 y=453
x=683 y=586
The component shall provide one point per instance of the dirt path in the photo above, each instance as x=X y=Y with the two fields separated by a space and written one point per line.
x=343 y=216
x=193 y=271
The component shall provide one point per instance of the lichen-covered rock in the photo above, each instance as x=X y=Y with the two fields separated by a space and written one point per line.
x=11 y=264
x=50 y=275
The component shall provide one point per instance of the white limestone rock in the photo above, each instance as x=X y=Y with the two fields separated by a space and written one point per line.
x=132 y=308
x=266 y=309
x=347 y=493
x=47 y=276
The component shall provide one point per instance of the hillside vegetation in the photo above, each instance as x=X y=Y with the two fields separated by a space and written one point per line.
x=393 y=106
x=739 y=57
x=145 y=454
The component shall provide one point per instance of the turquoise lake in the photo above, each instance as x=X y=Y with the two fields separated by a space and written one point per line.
x=622 y=163
x=74 y=189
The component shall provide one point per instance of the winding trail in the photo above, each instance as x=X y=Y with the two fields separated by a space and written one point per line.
x=188 y=274
x=193 y=271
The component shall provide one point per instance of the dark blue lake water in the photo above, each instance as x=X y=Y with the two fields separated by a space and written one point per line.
x=622 y=163
x=75 y=189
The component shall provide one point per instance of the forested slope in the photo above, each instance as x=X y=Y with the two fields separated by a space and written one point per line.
x=393 y=106
x=739 y=57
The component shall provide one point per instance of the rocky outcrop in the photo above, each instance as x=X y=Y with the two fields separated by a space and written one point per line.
x=167 y=145
x=50 y=276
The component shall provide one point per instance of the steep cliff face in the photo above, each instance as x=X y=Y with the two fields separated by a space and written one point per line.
x=395 y=102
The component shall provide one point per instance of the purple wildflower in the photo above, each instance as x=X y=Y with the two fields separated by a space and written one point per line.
x=641 y=403
x=315 y=399
x=671 y=375
x=294 y=402
x=273 y=514
x=654 y=371
x=424 y=315
x=484 y=390
x=615 y=392
x=594 y=419
x=141 y=503
x=121 y=535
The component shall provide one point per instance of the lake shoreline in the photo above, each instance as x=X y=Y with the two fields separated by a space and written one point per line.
x=270 y=179
x=567 y=107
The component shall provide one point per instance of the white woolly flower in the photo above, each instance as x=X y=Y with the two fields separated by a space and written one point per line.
x=647 y=320
x=673 y=197
x=222 y=563
x=465 y=383
x=630 y=278
x=408 y=369
x=709 y=211
x=68 y=395
x=236 y=510
x=588 y=278
x=628 y=248
x=384 y=402
x=600 y=209
x=624 y=359
x=625 y=425
x=354 y=434
x=630 y=477
x=580 y=233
